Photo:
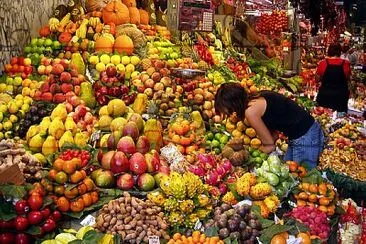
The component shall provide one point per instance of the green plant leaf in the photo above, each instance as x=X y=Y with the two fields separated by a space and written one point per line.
x=7 y=211
x=77 y=241
x=227 y=240
x=92 y=236
x=273 y=230
x=212 y=231
x=15 y=191
x=33 y=230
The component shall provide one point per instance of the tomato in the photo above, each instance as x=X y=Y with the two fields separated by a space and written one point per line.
x=21 y=207
x=7 y=224
x=21 y=223
x=35 y=202
x=7 y=238
x=46 y=212
x=49 y=225
x=22 y=238
x=56 y=215
x=34 y=217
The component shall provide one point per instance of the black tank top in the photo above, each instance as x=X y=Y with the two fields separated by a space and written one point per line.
x=284 y=115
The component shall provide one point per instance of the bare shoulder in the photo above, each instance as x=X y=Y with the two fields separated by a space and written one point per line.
x=256 y=107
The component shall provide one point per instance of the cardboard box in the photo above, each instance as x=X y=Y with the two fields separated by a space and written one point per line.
x=12 y=174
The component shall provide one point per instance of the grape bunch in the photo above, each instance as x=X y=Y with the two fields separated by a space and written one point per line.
x=36 y=113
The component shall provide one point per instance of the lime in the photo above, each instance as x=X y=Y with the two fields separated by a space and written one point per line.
x=215 y=143
x=263 y=155
x=224 y=139
x=218 y=136
x=217 y=151
x=256 y=153
x=222 y=146
x=210 y=136
x=250 y=150
x=258 y=160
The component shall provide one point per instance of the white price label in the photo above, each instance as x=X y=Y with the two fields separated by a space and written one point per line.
x=198 y=225
x=88 y=221
x=244 y=202
x=285 y=49
x=154 y=240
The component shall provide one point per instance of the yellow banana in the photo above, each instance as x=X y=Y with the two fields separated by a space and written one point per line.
x=53 y=24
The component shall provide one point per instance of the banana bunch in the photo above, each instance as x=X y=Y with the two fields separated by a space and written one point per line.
x=53 y=23
x=94 y=21
x=226 y=38
x=81 y=31
x=64 y=21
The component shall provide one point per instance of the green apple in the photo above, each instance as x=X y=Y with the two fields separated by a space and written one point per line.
x=3 y=108
x=41 y=49
x=48 y=42
x=41 y=41
x=9 y=81
x=56 y=45
x=27 y=49
x=17 y=81
x=135 y=60
x=2 y=88
x=121 y=68
x=34 y=42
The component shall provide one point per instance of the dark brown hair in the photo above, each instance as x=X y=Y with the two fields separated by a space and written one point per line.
x=231 y=98
x=334 y=50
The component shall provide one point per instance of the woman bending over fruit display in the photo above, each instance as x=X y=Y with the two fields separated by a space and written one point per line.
x=269 y=113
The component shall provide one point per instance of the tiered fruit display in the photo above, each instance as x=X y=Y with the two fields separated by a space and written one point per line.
x=213 y=169
x=313 y=218
x=33 y=218
x=11 y=112
x=40 y=47
x=19 y=67
x=196 y=237
x=186 y=134
x=239 y=68
x=235 y=223
x=133 y=219
x=163 y=49
x=244 y=131
x=277 y=174
x=72 y=189
x=321 y=196
x=183 y=197
x=256 y=157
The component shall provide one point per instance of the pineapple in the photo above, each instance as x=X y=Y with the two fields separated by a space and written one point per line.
x=191 y=221
x=186 y=206
x=186 y=51
x=272 y=203
x=156 y=197
x=260 y=190
x=152 y=108
x=193 y=184
x=171 y=204
x=242 y=187
x=229 y=198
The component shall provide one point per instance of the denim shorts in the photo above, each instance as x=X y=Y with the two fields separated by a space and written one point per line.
x=308 y=147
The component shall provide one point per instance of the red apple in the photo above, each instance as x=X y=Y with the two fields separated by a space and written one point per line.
x=13 y=60
x=164 y=169
x=125 y=182
x=126 y=145
x=65 y=77
x=131 y=129
x=152 y=163
x=57 y=69
x=156 y=77
x=74 y=73
x=45 y=87
x=138 y=164
x=107 y=159
x=149 y=83
x=65 y=87
x=146 y=182
x=55 y=88
x=143 y=144
x=119 y=163
x=41 y=69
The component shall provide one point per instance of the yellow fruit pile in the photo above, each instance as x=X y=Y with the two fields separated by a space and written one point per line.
x=197 y=237
x=244 y=131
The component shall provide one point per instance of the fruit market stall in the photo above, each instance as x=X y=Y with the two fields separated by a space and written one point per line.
x=107 y=124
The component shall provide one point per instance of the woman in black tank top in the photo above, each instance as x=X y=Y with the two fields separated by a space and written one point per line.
x=269 y=113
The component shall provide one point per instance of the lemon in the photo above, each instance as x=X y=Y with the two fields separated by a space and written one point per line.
x=100 y=67
x=7 y=125
x=2 y=87
x=93 y=59
x=115 y=59
x=121 y=67
x=25 y=107
x=19 y=103
x=13 y=118
x=130 y=68
x=28 y=100
x=19 y=97
x=1 y=127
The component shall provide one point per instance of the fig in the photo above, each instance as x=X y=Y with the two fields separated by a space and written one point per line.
x=222 y=222
x=232 y=225
x=242 y=225
x=245 y=235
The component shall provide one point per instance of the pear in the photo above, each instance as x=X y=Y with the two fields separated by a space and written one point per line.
x=32 y=131
x=36 y=142
x=59 y=111
x=81 y=139
x=104 y=141
x=45 y=124
x=57 y=128
x=70 y=125
x=66 y=138
x=49 y=146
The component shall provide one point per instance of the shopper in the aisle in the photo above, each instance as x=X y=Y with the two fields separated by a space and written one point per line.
x=333 y=73
x=269 y=112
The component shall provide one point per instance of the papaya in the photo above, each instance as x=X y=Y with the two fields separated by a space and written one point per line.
x=153 y=130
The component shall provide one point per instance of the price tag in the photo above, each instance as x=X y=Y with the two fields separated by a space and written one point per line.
x=227 y=133
x=198 y=225
x=285 y=49
x=154 y=240
x=244 y=202
x=88 y=221
x=95 y=137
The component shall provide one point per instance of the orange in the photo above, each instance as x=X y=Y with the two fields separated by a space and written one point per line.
x=278 y=239
x=71 y=193
x=63 y=204
x=95 y=197
x=59 y=190
x=305 y=238
x=76 y=177
x=87 y=199
x=58 y=164
x=255 y=143
x=69 y=167
x=301 y=203
x=253 y=89
x=330 y=211
x=181 y=149
x=77 y=162
x=171 y=241
x=302 y=171
x=77 y=206
x=313 y=198
x=292 y=165
x=191 y=149
x=310 y=204
x=175 y=138
x=323 y=209
x=196 y=234
x=61 y=177
x=185 y=141
x=324 y=201
x=52 y=174
x=284 y=234
x=250 y=132
x=297 y=196
x=322 y=188
x=305 y=186
x=82 y=188
x=89 y=184
x=202 y=238
x=303 y=195
x=177 y=236
x=313 y=188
